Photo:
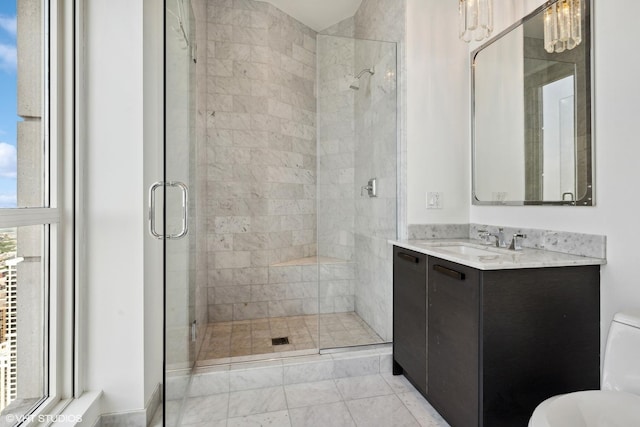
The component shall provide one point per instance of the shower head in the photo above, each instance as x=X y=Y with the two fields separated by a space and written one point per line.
x=356 y=83
x=371 y=71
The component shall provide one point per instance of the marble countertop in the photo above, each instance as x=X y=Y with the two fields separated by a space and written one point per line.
x=474 y=254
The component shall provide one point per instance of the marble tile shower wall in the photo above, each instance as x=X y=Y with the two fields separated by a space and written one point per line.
x=336 y=145
x=373 y=127
x=381 y=20
x=376 y=157
x=261 y=156
x=375 y=123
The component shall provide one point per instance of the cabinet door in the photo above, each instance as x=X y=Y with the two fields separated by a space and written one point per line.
x=410 y=315
x=453 y=321
x=541 y=338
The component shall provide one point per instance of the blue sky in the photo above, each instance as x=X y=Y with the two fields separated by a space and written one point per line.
x=8 y=115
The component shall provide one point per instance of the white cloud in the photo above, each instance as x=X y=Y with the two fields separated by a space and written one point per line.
x=8 y=160
x=8 y=200
x=8 y=57
x=8 y=23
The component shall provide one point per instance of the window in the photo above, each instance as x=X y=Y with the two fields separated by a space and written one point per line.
x=36 y=207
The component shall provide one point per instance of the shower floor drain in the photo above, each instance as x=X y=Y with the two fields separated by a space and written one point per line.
x=280 y=341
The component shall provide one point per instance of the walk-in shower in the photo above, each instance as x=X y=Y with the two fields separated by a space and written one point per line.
x=284 y=256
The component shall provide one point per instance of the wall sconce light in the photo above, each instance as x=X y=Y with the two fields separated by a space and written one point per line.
x=562 y=26
x=475 y=19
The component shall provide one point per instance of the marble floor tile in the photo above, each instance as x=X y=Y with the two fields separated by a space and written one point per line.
x=421 y=410
x=382 y=411
x=271 y=419
x=251 y=402
x=213 y=423
x=209 y=383
x=310 y=394
x=361 y=387
x=398 y=383
x=332 y=414
x=205 y=408
x=380 y=400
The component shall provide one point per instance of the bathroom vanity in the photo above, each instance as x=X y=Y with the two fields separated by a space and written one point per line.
x=486 y=334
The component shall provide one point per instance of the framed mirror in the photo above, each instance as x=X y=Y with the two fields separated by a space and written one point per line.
x=531 y=110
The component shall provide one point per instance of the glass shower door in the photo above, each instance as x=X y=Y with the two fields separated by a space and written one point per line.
x=356 y=197
x=176 y=196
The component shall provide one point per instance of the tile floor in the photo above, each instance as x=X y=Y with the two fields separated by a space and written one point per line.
x=380 y=400
x=251 y=337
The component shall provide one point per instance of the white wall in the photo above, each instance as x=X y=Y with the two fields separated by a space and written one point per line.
x=153 y=113
x=114 y=356
x=437 y=113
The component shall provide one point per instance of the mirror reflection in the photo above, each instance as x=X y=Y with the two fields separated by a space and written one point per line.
x=532 y=117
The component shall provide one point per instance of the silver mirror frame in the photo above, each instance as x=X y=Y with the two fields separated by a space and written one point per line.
x=589 y=198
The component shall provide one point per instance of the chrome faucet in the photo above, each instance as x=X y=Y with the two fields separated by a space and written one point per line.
x=516 y=243
x=484 y=237
x=500 y=242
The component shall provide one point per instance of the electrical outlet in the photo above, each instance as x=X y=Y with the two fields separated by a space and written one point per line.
x=434 y=200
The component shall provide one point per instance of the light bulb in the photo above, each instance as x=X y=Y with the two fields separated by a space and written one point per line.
x=576 y=27
x=562 y=25
x=472 y=15
x=548 y=30
x=475 y=19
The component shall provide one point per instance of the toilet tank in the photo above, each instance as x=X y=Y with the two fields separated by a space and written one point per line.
x=621 y=371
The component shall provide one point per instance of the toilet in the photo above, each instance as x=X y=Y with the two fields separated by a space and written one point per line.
x=617 y=404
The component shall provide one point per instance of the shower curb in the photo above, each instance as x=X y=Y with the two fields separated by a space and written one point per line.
x=277 y=372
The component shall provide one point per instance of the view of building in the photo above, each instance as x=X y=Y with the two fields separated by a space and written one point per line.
x=8 y=316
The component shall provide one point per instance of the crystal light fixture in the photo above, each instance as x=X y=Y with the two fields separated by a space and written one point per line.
x=562 y=26
x=475 y=20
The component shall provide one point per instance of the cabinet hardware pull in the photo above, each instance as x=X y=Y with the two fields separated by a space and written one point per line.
x=449 y=272
x=408 y=257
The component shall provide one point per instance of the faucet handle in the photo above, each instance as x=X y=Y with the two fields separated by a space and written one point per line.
x=500 y=240
x=516 y=243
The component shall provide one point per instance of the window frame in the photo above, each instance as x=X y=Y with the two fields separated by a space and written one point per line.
x=61 y=38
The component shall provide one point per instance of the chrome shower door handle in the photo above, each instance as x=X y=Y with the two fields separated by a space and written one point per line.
x=185 y=209
x=152 y=209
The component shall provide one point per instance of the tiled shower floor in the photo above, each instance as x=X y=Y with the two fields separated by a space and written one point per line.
x=253 y=337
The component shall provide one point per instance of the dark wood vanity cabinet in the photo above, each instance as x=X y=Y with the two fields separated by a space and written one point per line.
x=499 y=342
x=409 y=315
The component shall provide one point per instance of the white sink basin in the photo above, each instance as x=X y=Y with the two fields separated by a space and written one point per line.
x=468 y=250
x=476 y=252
